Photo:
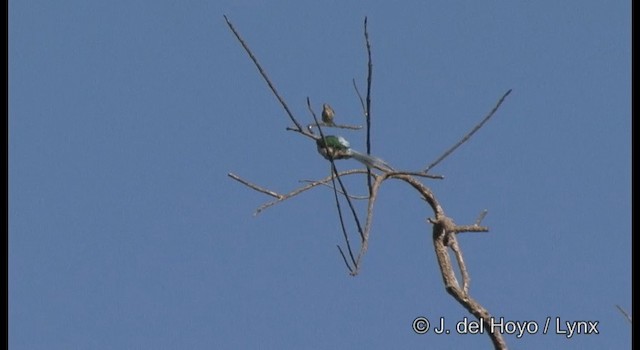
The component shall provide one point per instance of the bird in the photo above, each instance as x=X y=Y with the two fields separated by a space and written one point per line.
x=339 y=148
x=327 y=114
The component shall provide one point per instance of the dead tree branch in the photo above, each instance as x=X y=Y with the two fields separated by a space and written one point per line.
x=368 y=109
x=466 y=137
x=282 y=197
x=337 y=126
x=342 y=186
x=444 y=230
x=626 y=315
x=342 y=193
x=266 y=78
x=443 y=236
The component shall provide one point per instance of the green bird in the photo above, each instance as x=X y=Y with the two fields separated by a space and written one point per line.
x=339 y=148
x=328 y=114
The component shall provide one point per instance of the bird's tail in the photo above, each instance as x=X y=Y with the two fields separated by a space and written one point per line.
x=370 y=161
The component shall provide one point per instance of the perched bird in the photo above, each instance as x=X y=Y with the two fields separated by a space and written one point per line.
x=327 y=114
x=339 y=148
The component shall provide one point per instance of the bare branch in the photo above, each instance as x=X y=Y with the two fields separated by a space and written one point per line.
x=470 y=228
x=342 y=226
x=255 y=187
x=468 y=136
x=283 y=197
x=344 y=258
x=442 y=235
x=347 y=197
x=344 y=191
x=481 y=217
x=452 y=242
x=334 y=173
x=626 y=315
x=263 y=73
x=331 y=187
x=426 y=193
x=368 y=109
x=364 y=109
x=417 y=173
x=337 y=126
x=444 y=229
x=364 y=244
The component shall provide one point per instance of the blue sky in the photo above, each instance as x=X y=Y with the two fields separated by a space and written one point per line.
x=126 y=116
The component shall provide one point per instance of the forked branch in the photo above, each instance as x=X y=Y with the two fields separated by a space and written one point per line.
x=444 y=230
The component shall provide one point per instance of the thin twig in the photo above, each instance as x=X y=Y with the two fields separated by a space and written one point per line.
x=347 y=197
x=481 y=217
x=468 y=136
x=255 y=187
x=417 y=173
x=334 y=174
x=624 y=313
x=331 y=187
x=263 y=73
x=364 y=109
x=368 y=109
x=344 y=229
x=282 y=197
x=364 y=245
x=342 y=186
x=369 y=78
x=344 y=258
x=337 y=126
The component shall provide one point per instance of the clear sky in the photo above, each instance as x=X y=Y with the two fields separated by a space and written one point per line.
x=126 y=116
